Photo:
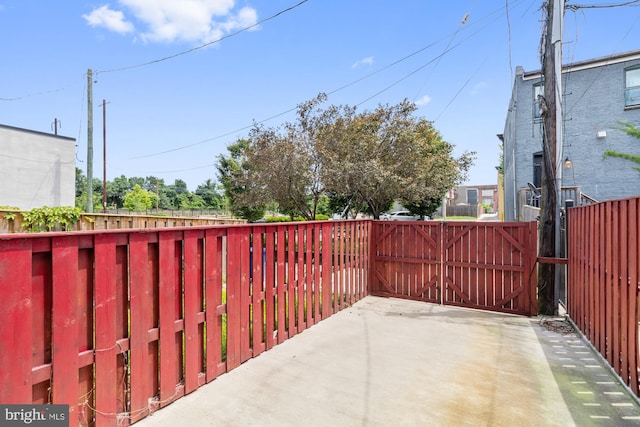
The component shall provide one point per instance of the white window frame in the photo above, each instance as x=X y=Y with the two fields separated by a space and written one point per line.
x=632 y=93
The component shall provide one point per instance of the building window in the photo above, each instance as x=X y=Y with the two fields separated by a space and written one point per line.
x=472 y=196
x=538 y=90
x=537 y=169
x=632 y=87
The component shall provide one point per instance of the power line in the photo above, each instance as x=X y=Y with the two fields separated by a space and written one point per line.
x=185 y=52
x=460 y=90
x=603 y=67
x=174 y=171
x=509 y=38
x=406 y=57
x=46 y=92
x=600 y=6
x=437 y=58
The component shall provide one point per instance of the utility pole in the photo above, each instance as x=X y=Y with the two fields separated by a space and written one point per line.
x=55 y=126
x=550 y=203
x=104 y=156
x=89 y=141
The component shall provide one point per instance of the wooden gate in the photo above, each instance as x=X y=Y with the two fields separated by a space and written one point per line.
x=490 y=266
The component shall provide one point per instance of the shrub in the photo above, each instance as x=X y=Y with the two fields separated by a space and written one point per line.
x=47 y=219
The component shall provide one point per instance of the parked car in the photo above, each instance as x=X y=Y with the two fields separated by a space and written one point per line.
x=403 y=216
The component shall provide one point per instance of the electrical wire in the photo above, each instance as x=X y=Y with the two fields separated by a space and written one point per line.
x=600 y=6
x=175 y=171
x=509 y=39
x=429 y=62
x=460 y=91
x=453 y=36
x=185 y=52
x=601 y=70
x=406 y=57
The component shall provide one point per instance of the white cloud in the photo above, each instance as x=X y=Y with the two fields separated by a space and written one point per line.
x=423 y=101
x=479 y=88
x=364 y=61
x=110 y=19
x=185 y=20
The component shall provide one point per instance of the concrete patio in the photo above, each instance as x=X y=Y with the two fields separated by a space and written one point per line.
x=391 y=362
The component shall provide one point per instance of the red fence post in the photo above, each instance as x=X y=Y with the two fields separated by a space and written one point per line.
x=65 y=324
x=141 y=361
x=234 y=272
x=192 y=306
x=170 y=341
x=213 y=298
x=16 y=324
x=106 y=351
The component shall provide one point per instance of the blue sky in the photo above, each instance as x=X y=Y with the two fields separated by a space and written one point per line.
x=172 y=117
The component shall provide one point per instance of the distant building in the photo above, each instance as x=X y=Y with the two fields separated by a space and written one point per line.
x=474 y=195
x=469 y=200
x=38 y=169
x=597 y=95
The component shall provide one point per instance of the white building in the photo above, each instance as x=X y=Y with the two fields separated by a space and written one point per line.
x=37 y=169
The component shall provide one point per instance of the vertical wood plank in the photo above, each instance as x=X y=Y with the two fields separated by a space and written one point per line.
x=65 y=324
x=41 y=306
x=257 y=291
x=86 y=326
x=327 y=259
x=530 y=269
x=317 y=255
x=270 y=288
x=191 y=309
x=245 y=294
x=122 y=328
x=634 y=284
x=308 y=277
x=599 y=295
x=301 y=279
x=291 y=281
x=234 y=273
x=167 y=316
x=282 y=283
x=16 y=324
x=615 y=303
x=139 y=322
x=608 y=285
x=621 y=324
x=106 y=351
x=489 y=259
x=213 y=298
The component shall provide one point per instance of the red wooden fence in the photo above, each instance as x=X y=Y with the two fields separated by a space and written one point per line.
x=604 y=279
x=490 y=266
x=120 y=323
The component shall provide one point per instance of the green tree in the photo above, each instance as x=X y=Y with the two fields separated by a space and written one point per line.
x=436 y=170
x=246 y=198
x=81 y=192
x=138 y=200
x=210 y=194
x=286 y=163
x=376 y=157
x=117 y=190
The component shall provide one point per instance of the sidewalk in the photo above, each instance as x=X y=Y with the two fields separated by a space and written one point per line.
x=390 y=362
